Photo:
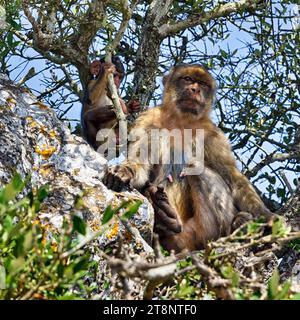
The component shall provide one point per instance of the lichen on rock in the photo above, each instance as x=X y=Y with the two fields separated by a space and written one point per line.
x=34 y=141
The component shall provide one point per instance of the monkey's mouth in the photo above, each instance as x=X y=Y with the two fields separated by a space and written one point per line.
x=190 y=105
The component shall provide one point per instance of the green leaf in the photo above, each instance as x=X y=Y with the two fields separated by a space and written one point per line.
x=273 y=285
x=281 y=193
x=131 y=210
x=272 y=179
x=69 y=296
x=79 y=225
x=223 y=53
x=296 y=296
x=12 y=189
x=279 y=228
x=81 y=265
x=284 y=292
x=42 y=193
x=16 y=266
x=108 y=214
x=10 y=39
x=19 y=247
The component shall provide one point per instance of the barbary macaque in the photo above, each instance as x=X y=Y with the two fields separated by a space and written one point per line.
x=97 y=109
x=190 y=209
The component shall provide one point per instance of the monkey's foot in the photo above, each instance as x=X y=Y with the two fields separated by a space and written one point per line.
x=166 y=222
x=240 y=219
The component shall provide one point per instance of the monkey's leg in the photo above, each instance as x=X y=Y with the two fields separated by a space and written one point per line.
x=91 y=134
x=213 y=205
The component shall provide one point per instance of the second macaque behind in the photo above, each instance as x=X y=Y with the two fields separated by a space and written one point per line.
x=98 y=110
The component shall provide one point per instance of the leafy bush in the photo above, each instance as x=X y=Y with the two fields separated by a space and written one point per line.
x=35 y=265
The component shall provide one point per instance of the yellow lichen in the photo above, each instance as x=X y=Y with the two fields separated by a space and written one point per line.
x=52 y=134
x=45 y=151
x=113 y=231
x=76 y=171
x=10 y=102
x=94 y=225
x=45 y=171
x=54 y=246
x=44 y=241
x=33 y=124
x=36 y=222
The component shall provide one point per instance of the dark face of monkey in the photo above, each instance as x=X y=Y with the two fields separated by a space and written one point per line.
x=191 y=88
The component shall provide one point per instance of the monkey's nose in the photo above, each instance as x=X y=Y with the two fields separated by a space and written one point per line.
x=194 y=89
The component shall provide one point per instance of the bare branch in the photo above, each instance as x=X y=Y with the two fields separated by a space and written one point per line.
x=127 y=12
x=273 y=157
x=218 y=12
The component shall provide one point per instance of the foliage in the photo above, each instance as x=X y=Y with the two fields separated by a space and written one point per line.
x=9 y=14
x=31 y=263
x=231 y=267
x=38 y=263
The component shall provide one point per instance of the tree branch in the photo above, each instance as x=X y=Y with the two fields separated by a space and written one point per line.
x=273 y=157
x=224 y=10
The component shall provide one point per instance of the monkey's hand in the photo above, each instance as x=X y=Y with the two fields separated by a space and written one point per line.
x=134 y=106
x=166 y=222
x=263 y=212
x=117 y=177
x=123 y=105
x=108 y=67
x=95 y=68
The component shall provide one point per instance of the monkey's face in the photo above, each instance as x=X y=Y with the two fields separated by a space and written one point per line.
x=191 y=88
x=95 y=68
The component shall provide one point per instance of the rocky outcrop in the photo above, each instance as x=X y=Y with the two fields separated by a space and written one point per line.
x=34 y=141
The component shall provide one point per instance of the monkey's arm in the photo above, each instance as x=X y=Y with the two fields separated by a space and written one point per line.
x=135 y=171
x=218 y=155
x=97 y=88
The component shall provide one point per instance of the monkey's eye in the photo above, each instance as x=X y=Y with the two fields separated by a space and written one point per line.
x=188 y=79
x=204 y=84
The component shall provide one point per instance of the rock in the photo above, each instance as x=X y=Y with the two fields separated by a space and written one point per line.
x=295 y=278
x=34 y=141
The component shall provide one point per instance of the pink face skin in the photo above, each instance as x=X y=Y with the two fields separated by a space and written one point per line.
x=96 y=67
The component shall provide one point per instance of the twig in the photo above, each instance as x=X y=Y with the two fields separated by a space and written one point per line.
x=286 y=181
x=127 y=13
x=135 y=232
x=214 y=282
x=85 y=241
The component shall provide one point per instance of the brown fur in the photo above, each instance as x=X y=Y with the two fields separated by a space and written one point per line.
x=97 y=110
x=205 y=205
